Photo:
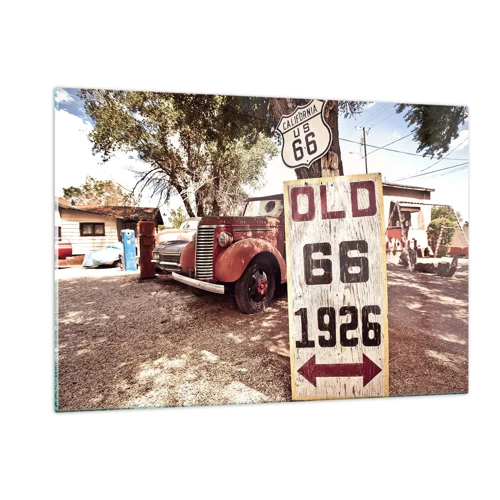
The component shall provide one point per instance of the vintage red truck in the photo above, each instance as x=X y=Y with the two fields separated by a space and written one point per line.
x=244 y=255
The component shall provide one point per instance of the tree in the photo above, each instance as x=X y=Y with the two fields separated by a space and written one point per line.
x=438 y=211
x=443 y=223
x=237 y=168
x=177 y=216
x=186 y=140
x=189 y=140
x=96 y=192
x=434 y=126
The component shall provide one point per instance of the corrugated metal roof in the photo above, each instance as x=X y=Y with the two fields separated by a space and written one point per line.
x=118 y=212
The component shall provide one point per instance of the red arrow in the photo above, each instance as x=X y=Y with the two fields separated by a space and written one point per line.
x=367 y=369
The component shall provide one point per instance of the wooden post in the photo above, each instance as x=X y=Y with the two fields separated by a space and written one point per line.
x=330 y=168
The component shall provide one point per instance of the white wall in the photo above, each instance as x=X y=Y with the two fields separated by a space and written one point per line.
x=70 y=229
x=424 y=207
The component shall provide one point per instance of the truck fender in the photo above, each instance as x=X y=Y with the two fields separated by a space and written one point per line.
x=187 y=257
x=231 y=263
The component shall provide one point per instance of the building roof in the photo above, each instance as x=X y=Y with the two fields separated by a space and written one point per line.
x=119 y=212
x=62 y=203
x=125 y=213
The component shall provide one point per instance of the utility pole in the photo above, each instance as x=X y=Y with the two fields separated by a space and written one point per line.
x=364 y=144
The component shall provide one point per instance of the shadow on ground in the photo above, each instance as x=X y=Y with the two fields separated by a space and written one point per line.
x=127 y=343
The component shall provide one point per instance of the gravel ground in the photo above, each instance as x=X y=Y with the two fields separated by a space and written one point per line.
x=127 y=343
x=428 y=332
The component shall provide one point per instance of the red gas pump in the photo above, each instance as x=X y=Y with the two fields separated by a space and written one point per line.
x=146 y=231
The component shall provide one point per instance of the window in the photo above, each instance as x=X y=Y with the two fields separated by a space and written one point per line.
x=270 y=206
x=189 y=224
x=91 y=228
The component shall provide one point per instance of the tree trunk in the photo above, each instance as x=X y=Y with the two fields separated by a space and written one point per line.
x=187 y=206
x=329 y=161
x=216 y=190
x=200 y=198
x=184 y=197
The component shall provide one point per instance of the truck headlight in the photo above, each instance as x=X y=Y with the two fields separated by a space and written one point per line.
x=225 y=239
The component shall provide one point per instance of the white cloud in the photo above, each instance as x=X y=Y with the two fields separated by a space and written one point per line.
x=396 y=135
x=463 y=134
x=74 y=159
x=275 y=174
x=62 y=96
x=368 y=106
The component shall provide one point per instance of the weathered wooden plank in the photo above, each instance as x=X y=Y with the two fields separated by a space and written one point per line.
x=337 y=287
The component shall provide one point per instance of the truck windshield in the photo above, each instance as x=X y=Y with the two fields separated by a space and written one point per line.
x=190 y=224
x=271 y=208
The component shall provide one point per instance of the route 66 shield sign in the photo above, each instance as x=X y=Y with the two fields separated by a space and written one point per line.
x=306 y=136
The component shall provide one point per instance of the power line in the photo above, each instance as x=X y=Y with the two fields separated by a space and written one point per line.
x=383 y=147
x=433 y=172
x=445 y=157
x=448 y=173
x=397 y=151
x=388 y=116
x=369 y=117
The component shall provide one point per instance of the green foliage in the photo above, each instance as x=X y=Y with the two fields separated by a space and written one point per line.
x=96 y=192
x=177 y=217
x=211 y=148
x=445 y=219
x=183 y=138
x=439 y=212
x=434 y=127
x=448 y=226
x=349 y=109
x=239 y=168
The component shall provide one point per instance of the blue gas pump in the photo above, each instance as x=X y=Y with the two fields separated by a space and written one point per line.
x=129 y=252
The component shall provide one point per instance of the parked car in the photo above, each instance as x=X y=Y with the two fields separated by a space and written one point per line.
x=186 y=231
x=64 y=248
x=109 y=256
x=167 y=256
x=244 y=255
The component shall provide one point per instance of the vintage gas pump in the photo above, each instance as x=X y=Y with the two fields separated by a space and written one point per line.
x=146 y=244
x=129 y=252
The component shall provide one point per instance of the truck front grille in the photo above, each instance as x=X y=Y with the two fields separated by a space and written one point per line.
x=204 y=252
x=174 y=257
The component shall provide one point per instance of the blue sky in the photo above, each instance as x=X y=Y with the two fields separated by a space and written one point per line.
x=448 y=177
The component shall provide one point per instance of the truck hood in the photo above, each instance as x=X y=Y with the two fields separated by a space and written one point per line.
x=260 y=220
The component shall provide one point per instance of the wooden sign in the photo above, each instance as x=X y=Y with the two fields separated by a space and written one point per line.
x=337 y=287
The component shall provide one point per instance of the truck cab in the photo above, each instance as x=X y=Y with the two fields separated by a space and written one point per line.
x=244 y=255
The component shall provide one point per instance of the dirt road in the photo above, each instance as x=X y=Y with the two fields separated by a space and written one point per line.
x=126 y=343
x=428 y=332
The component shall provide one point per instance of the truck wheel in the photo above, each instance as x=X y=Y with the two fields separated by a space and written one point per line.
x=255 y=289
